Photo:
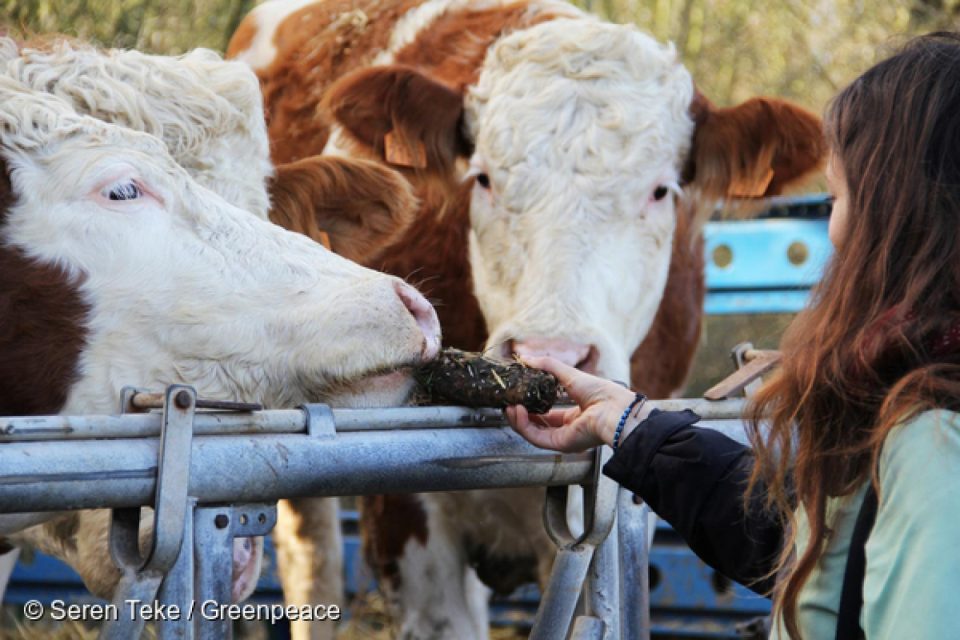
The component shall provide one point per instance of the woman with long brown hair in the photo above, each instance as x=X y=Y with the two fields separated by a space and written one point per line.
x=846 y=506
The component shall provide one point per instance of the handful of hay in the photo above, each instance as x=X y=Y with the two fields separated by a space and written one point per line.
x=474 y=380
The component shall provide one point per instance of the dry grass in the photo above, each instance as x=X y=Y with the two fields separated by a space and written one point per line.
x=370 y=621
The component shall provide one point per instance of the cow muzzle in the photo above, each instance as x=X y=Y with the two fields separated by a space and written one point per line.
x=581 y=355
x=425 y=316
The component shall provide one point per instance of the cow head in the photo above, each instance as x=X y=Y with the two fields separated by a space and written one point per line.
x=585 y=142
x=87 y=210
x=171 y=283
x=215 y=130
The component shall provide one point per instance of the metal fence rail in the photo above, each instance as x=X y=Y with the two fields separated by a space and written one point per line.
x=97 y=461
x=295 y=421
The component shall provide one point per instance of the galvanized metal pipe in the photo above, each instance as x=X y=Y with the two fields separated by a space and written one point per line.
x=633 y=541
x=177 y=587
x=145 y=425
x=231 y=469
x=558 y=605
x=36 y=428
x=602 y=586
x=213 y=553
x=111 y=461
x=587 y=628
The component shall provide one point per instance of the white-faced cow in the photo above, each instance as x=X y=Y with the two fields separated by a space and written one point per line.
x=119 y=268
x=209 y=113
x=561 y=163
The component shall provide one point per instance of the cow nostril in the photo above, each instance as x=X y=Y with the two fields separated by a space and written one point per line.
x=575 y=354
x=425 y=315
x=589 y=363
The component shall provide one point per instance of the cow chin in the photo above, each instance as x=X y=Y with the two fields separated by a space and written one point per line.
x=374 y=390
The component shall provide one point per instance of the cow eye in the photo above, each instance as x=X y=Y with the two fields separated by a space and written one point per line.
x=124 y=191
x=660 y=192
x=483 y=180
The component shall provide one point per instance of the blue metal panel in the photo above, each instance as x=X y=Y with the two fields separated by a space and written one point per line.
x=45 y=578
x=683 y=582
x=760 y=253
x=734 y=302
x=763 y=266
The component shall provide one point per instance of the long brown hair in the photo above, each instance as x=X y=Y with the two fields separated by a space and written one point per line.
x=868 y=352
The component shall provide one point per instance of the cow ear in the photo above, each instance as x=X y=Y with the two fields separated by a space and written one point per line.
x=408 y=119
x=754 y=150
x=356 y=208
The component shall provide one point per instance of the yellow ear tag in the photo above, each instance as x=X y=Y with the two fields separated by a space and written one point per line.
x=750 y=188
x=403 y=155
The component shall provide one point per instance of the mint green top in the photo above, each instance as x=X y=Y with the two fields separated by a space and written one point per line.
x=912 y=583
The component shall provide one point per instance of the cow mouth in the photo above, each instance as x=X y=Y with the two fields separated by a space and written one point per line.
x=376 y=388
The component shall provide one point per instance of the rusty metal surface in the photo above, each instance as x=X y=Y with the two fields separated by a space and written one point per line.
x=144 y=400
x=751 y=365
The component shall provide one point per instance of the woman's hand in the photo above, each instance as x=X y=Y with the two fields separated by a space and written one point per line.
x=600 y=402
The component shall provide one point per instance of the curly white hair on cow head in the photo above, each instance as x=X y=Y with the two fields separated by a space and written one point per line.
x=577 y=125
x=214 y=128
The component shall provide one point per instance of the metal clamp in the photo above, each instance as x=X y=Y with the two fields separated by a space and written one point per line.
x=320 y=422
x=599 y=507
x=142 y=575
x=555 y=616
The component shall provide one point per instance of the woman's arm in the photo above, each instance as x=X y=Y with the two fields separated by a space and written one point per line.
x=691 y=477
x=695 y=479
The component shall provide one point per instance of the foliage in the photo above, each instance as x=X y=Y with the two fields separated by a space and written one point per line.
x=804 y=50
x=156 y=26
x=799 y=49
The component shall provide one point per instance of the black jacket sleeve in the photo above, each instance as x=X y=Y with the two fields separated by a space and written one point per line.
x=695 y=479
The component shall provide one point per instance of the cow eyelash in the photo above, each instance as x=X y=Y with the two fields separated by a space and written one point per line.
x=123 y=191
x=480 y=176
x=663 y=190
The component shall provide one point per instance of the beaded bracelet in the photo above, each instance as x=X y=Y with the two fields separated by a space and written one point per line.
x=639 y=399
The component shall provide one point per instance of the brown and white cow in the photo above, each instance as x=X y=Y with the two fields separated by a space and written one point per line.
x=209 y=114
x=119 y=268
x=561 y=163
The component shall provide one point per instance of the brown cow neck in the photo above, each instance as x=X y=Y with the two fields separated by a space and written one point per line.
x=675 y=331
